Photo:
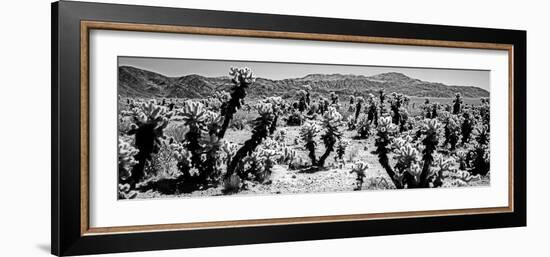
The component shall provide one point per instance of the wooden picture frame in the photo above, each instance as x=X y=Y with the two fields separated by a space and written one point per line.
x=71 y=25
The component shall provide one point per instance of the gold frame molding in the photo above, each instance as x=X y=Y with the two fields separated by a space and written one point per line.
x=87 y=26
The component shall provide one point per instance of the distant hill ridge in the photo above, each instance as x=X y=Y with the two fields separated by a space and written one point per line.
x=135 y=82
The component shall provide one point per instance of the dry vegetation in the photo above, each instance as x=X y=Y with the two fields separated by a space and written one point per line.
x=230 y=144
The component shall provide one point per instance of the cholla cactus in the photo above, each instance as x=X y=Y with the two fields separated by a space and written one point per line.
x=396 y=100
x=382 y=96
x=259 y=164
x=182 y=157
x=403 y=120
x=126 y=161
x=341 y=147
x=194 y=116
x=350 y=122
x=277 y=104
x=213 y=123
x=218 y=100
x=466 y=127
x=296 y=118
x=372 y=111
x=482 y=136
x=242 y=79
x=280 y=136
x=288 y=156
x=435 y=178
x=149 y=122
x=485 y=111
x=363 y=126
x=359 y=169
x=308 y=134
x=351 y=100
x=262 y=124
x=303 y=103
x=412 y=169
x=463 y=160
x=229 y=149
x=407 y=168
x=452 y=130
x=481 y=155
x=201 y=142
x=359 y=104
x=406 y=101
x=331 y=123
x=430 y=130
x=457 y=103
x=333 y=99
x=307 y=89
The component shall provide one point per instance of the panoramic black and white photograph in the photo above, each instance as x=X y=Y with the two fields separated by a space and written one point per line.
x=205 y=128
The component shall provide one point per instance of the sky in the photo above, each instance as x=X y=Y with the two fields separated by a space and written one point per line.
x=173 y=67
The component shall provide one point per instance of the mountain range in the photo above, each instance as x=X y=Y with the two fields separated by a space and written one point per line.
x=135 y=82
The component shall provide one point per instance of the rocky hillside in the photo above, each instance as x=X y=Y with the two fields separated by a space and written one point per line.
x=134 y=82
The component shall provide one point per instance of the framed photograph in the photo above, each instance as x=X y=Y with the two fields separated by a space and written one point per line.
x=178 y=128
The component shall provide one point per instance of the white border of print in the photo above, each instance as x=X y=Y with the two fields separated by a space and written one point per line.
x=107 y=211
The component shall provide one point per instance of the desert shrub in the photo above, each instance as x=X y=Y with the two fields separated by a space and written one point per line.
x=242 y=78
x=176 y=130
x=359 y=169
x=163 y=164
x=238 y=123
x=231 y=184
x=459 y=178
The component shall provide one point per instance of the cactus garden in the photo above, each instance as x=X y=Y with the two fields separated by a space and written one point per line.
x=242 y=134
